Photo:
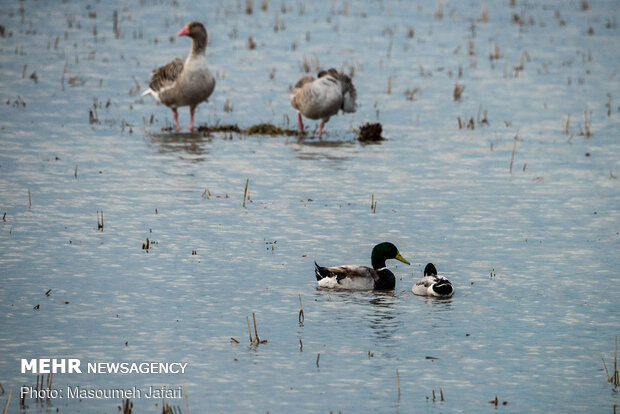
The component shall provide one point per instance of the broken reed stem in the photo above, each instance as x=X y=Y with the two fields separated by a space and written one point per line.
x=587 y=122
x=606 y=370
x=127 y=406
x=441 y=394
x=29 y=199
x=186 y=399
x=398 y=382
x=49 y=385
x=257 y=339
x=249 y=330
x=514 y=148
x=245 y=192
x=616 y=379
x=75 y=173
x=100 y=225
x=301 y=312
x=8 y=401
x=318 y=356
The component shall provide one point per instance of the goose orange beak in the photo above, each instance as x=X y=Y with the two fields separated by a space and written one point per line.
x=401 y=258
x=184 y=31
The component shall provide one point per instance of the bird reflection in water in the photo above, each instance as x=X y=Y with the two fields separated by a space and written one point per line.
x=193 y=144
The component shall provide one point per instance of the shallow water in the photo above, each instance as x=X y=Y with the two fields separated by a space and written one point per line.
x=532 y=253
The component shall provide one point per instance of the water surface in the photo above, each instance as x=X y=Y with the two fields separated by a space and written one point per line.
x=532 y=253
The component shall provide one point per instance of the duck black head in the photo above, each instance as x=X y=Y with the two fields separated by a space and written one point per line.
x=198 y=33
x=384 y=251
x=430 y=270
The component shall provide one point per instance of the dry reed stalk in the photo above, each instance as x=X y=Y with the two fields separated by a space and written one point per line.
x=318 y=356
x=458 y=91
x=249 y=330
x=398 y=382
x=49 y=385
x=127 y=406
x=514 y=148
x=390 y=81
x=29 y=199
x=257 y=339
x=22 y=401
x=8 y=401
x=484 y=15
x=301 y=312
x=186 y=399
x=245 y=192
x=587 y=122
x=616 y=362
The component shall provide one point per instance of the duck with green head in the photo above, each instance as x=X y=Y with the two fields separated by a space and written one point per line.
x=379 y=277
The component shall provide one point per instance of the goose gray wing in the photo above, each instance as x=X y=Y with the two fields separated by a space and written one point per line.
x=166 y=75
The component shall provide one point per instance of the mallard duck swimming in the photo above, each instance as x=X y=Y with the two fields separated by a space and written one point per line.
x=323 y=97
x=188 y=83
x=378 y=277
x=432 y=284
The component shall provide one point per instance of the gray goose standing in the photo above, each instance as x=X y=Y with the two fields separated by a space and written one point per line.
x=186 y=83
x=323 y=97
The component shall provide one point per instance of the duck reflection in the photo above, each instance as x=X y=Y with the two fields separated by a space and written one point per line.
x=383 y=321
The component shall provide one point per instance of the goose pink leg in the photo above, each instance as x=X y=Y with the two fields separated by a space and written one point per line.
x=176 y=120
x=318 y=135
x=191 y=118
x=300 y=124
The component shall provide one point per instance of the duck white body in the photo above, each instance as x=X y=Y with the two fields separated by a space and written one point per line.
x=323 y=97
x=432 y=284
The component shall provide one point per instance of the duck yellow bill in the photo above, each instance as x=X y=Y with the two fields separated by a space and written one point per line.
x=402 y=259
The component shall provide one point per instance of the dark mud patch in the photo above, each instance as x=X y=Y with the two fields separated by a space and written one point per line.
x=370 y=132
x=269 y=129
x=259 y=129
